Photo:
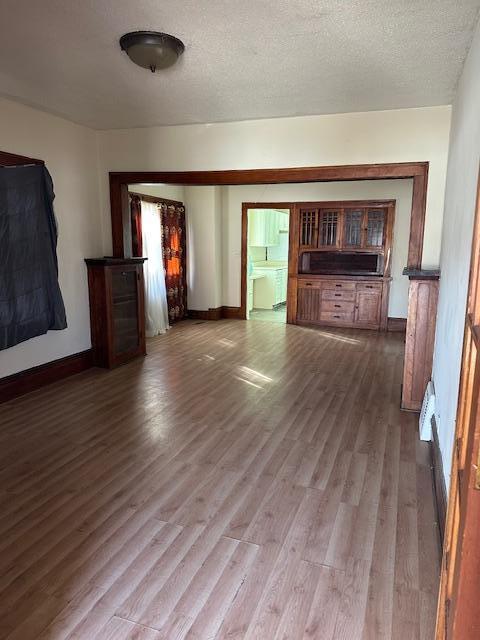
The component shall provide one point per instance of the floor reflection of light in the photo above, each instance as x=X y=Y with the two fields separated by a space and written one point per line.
x=333 y=336
x=252 y=384
x=226 y=342
x=209 y=357
x=251 y=373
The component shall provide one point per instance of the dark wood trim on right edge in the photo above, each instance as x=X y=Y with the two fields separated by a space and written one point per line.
x=210 y=314
x=31 y=379
x=438 y=482
x=232 y=313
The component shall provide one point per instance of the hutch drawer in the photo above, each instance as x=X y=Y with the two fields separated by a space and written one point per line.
x=339 y=285
x=337 y=306
x=336 y=317
x=335 y=294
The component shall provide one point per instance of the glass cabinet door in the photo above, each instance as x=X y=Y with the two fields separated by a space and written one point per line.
x=124 y=310
x=375 y=227
x=328 y=231
x=352 y=228
x=308 y=227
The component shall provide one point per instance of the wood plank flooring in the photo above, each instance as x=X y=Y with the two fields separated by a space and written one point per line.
x=245 y=480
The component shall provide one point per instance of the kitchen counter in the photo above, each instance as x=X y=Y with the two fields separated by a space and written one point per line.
x=270 y=264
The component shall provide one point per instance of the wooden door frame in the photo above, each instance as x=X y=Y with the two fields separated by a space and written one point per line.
x=418 y=171
x=243 y=262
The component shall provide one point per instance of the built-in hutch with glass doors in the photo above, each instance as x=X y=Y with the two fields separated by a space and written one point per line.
x=340 y=258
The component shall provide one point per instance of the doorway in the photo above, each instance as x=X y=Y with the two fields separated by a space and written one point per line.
x=265 y=267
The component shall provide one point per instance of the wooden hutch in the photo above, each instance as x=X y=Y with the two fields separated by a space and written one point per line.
x=117 y=312
x=340 y=261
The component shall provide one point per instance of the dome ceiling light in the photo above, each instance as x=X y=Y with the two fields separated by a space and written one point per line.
x=151 y=49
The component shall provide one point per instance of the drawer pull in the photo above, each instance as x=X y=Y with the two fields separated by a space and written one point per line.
x=308 y=284
x=338 y=295
x=336 y=316
x=368 y=286
x=338 y=285
x=338 y=306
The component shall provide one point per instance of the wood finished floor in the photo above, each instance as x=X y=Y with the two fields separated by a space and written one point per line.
x=245 y=480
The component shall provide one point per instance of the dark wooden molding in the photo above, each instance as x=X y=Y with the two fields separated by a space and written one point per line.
x=31 y=379
x=438 y=478
x=421 y=274
x=276 y=176
x=397 y=324
x=210 y=314
x=14 y=160
x=155 y=199
x=232 y=313
x=418 y=171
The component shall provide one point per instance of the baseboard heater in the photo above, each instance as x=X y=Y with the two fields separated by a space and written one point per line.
x=427 y=413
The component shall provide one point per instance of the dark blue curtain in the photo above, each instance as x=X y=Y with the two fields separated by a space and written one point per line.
x=30 y=299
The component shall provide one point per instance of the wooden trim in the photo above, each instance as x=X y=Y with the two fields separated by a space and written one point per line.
x=155 y=199
x=397 y=324
x=31 y=379
x=403 y=170
x=210 y=314
x=14 y=160
x=438 y=478
x=420 y=339
x=276 y=176
x=232 y=313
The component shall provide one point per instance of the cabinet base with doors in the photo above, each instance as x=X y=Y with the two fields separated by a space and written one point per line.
x=270 y=290
x=340 y=259
x=347 y=302
x=117 y=311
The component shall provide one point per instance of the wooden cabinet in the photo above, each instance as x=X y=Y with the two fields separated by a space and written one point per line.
x=309 y=303
x=342 y=302
x=367 y=305
x=356 y=228
x=117 y=314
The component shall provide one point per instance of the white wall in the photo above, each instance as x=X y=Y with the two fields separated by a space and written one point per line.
x=168 y=191
x=463 y=166
x=70 y=153
x=399 y=190
x=204 y=257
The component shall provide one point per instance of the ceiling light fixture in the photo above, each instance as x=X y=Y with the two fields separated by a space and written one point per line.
x=151 y=49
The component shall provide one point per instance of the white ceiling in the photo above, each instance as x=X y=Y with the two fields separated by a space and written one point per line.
x=244 y=58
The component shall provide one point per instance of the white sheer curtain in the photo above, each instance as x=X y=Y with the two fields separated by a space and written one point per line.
x=156 y=310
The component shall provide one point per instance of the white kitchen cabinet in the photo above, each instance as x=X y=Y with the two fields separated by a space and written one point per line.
x=271 y=290
x=263 y=227
x=283 y=222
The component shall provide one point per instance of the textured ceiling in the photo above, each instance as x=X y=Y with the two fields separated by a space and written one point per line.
x=244 y=58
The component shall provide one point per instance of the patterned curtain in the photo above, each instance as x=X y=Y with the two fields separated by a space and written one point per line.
x=174 y=258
